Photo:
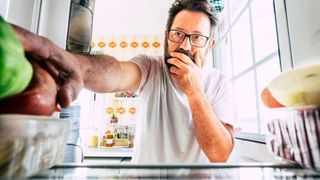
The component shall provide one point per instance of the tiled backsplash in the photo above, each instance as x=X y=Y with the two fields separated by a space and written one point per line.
x=125 y=47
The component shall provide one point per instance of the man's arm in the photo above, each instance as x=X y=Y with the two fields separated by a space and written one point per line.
x=103 y=73
x=213 y=137
x=71 y=72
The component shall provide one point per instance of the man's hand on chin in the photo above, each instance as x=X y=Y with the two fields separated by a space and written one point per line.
x=185 y=73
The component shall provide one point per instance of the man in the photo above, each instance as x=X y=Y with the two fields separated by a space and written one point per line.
x=184 y=104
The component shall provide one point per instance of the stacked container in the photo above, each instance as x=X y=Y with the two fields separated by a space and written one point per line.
x=294 y=134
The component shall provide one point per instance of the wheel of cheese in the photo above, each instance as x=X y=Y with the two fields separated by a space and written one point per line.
x=298 y=87
x=269 y=100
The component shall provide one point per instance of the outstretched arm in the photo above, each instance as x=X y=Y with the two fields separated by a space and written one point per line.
x=100 y=73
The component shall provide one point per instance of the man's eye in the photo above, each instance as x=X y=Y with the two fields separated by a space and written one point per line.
x=179 y=34
x=196 y=37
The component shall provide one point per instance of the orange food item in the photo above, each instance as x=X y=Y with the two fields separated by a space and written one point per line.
x=269 y=100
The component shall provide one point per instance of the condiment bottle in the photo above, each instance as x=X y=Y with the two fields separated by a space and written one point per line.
x=109 y=139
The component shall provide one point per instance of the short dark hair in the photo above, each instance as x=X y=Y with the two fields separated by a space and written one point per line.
x=192 y=5
x=202 y=6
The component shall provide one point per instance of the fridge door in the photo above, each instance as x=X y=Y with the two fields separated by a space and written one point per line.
x=298 y=33
x=48 y=18
x=54 y=20
x=22 y=13
x=4 y=8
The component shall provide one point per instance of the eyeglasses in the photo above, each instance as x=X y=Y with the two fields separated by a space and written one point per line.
x=196 y=40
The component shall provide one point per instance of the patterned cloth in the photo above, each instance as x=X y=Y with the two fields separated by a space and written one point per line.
x=218 y=5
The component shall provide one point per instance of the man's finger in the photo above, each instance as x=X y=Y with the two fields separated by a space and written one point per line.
x=52 y=69
x=197 y=59
x=174 y=77
x=64 y=97
x=68 y=93
x=176 y=62
x=184 y=58
x=174 y=70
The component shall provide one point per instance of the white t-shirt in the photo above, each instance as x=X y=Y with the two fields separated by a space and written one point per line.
x=164 y=124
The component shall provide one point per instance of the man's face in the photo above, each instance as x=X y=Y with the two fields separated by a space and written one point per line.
x=190 y=22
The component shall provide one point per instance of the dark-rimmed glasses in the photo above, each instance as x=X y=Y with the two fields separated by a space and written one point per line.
x=196 y=40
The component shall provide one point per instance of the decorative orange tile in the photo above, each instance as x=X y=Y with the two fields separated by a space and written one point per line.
x=156 y=44
x=112 y=44
x=123 y=44
x=145 y=44
x=109 y=110
x=121 y=110
x=134 y=44
x=132 y=110
x=101 y=44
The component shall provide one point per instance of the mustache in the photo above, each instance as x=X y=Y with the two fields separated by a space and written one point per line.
x=186 y=53
x=167 y=56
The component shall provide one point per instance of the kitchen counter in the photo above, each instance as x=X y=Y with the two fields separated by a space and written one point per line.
x=212 y=171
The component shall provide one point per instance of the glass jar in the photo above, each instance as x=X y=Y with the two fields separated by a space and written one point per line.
x=109 y=139
x=92 y=139
x=123 y=132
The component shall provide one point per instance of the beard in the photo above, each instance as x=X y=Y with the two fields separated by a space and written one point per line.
x=180 y=50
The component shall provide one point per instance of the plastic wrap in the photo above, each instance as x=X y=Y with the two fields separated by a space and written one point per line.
x=29 y=144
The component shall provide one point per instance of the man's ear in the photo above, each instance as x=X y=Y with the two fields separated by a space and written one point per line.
x=212 y=43
x=166 y=33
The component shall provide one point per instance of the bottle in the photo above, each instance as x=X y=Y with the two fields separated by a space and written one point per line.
x=109 y=139
x=72 y=114
x=79 y=34
x=114 y=119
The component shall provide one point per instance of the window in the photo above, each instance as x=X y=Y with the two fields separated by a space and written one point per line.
x=247 y=52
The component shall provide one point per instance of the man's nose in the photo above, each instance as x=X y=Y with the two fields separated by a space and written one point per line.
x=186 y=44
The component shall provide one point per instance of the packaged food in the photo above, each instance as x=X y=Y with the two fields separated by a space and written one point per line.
x=294 y=134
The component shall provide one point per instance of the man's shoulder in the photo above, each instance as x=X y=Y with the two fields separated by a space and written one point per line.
x=214 y=80
x=148 y=57
x=150 y=60
x=213 y=74
x=150 y=67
